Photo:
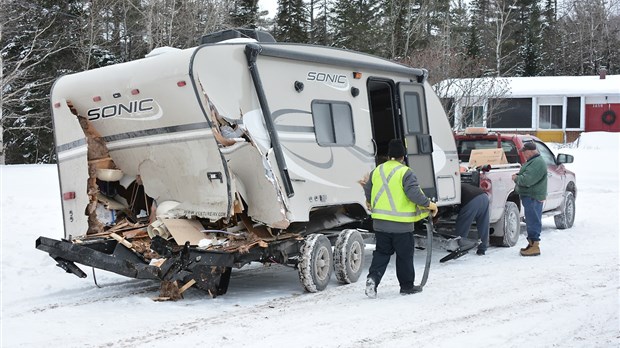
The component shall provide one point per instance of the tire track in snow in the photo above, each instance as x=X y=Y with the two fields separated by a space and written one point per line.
x=232 y=319
x=81 y=297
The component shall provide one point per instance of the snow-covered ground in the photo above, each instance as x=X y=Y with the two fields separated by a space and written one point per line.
x=567 y=297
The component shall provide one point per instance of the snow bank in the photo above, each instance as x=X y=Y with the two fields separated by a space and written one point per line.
x=600 y=141
x=567 y=297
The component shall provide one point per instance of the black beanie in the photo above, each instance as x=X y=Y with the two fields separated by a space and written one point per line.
x=396 y=149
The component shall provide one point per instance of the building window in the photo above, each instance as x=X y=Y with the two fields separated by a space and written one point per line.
x=473 y=116
x=550 y=117
x=333 y=123
x=510 y=113
x=573 y=112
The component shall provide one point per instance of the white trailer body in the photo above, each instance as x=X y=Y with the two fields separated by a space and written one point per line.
x=314 y=129
x=256 y=150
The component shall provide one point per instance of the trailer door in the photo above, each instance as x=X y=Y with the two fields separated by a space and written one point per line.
x=418 y=139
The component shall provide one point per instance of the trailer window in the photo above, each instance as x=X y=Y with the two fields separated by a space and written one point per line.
x=333 y=123
x=414 y=114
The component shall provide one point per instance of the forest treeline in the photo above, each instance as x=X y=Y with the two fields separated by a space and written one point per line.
x=41 y=40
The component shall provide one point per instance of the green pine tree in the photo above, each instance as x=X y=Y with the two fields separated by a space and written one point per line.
x=355 y=25
x=244 y=14
x=291 y=21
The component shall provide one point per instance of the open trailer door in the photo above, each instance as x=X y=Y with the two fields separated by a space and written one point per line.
x=417 y=135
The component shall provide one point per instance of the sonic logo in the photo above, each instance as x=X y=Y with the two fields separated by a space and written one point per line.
x=143 y=109
x=337 y=81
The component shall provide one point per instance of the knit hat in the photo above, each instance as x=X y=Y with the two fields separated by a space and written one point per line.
x=396 y=149
x=528 y=146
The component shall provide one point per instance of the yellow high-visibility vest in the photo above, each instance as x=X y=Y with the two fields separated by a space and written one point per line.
x=388 y=198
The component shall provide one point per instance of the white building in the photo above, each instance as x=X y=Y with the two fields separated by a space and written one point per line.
x=554 y=108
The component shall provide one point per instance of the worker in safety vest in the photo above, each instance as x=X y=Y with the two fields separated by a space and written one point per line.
x=396 y=202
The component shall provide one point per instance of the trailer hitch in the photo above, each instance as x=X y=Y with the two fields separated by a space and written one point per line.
x=119 y=259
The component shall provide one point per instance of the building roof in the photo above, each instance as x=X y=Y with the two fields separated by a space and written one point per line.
x=516 y=87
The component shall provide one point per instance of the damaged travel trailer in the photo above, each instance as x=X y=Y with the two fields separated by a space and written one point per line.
x=186 y=164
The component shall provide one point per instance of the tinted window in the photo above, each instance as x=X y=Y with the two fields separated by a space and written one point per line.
x=464 y=148
x=573 y=113
x=333 y=123
x=510 y=113
x=412 y=109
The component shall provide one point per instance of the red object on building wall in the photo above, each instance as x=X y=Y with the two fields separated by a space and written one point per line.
x=603 y=117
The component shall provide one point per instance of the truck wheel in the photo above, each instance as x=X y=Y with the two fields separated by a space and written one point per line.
x=566 y=219
x=349 y=256
x=315 y=268
x=508 y=227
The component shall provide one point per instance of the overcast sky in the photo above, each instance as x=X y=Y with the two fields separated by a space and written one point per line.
x=269 y=5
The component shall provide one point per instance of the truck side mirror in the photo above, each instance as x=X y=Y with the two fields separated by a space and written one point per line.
x=564 y=158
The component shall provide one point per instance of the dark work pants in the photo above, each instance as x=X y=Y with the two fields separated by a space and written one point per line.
x=477 y=209
x=386 y=245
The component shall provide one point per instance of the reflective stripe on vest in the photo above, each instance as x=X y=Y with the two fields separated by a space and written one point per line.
x=389 y=201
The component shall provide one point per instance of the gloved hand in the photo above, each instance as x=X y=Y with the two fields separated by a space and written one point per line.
x=433 y=208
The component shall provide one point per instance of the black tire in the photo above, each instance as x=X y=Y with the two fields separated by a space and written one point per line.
x=315 y=268
x=567 y=218
x=508 y=228
x=349 y=256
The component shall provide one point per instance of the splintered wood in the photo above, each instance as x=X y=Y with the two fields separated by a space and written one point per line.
x=259 y=231
x=98 y=158
x=170 y=291
x=121 y=240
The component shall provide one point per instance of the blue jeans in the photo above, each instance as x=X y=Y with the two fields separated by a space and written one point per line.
x=533 y=216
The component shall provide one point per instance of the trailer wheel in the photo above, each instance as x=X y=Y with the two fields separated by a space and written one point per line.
x=566 y=219
x=315 y=268
x=349 y=256
x=508 y=228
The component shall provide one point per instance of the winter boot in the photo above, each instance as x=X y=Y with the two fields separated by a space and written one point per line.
x=532 y=250
x=529 y=245
x=413 y=290
x=371 y=288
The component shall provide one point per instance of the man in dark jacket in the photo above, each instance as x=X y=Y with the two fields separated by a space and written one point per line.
x=474 y=206
x=532 y=187
x=396 y=202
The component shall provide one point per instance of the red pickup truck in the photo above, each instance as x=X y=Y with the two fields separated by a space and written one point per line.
x=505 y=207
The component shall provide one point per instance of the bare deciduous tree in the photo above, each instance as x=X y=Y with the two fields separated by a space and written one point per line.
x=591 y=36
x=27 y=45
